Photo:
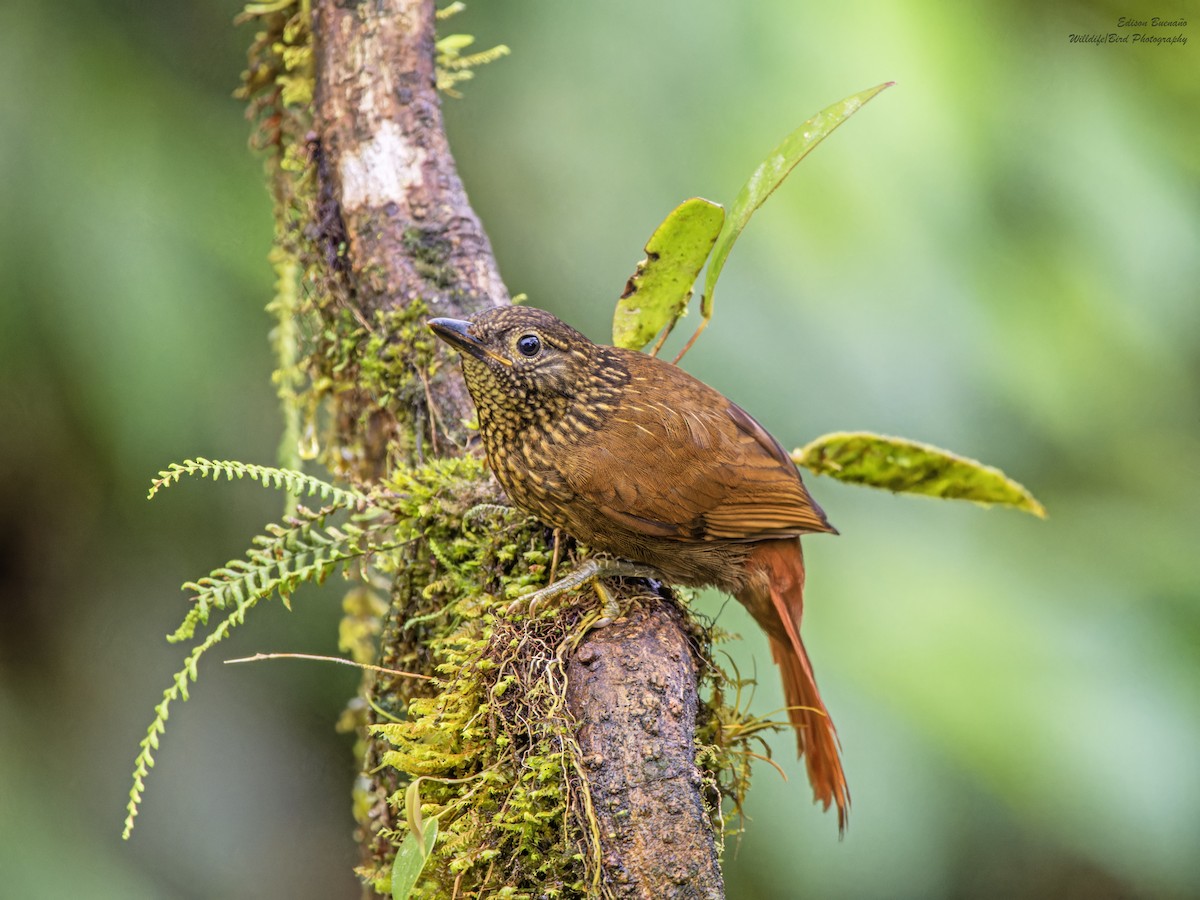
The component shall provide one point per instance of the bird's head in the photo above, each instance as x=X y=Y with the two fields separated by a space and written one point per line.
x=517 y=359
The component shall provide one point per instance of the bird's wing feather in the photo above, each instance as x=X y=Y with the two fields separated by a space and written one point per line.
x=737 y=483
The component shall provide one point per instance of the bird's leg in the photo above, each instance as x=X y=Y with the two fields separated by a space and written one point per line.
x=591 y=570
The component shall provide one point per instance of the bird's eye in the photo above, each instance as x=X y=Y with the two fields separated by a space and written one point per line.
x=529 y=345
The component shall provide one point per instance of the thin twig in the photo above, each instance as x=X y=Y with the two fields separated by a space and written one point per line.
x=334 y=659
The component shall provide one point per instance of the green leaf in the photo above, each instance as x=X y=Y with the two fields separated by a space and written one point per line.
x=905 y=466
x=770 y=174
x=411 y=857
x=658 y=291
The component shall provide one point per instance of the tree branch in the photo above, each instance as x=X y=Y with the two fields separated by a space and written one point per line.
x=389 y=190
x=386 y=170
x=411 y=230
x=632 y=687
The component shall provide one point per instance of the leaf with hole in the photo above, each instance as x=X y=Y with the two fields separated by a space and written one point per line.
x=657 y=293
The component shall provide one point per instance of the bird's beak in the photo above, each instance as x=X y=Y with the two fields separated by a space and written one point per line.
x=456 y=333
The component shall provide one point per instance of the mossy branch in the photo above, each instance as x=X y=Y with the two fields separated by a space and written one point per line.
x=371 y=211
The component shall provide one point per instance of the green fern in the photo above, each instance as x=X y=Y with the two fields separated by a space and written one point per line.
x=296 y=483
x=145 y=758
x=452 y=66
x=303 y=548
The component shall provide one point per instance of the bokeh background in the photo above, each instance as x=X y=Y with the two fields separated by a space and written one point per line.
x=999 y=255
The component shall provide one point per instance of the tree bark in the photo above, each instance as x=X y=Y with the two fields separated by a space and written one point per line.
x=391 y=195
x=410 y=232
x=380 y=122
x=632 y=687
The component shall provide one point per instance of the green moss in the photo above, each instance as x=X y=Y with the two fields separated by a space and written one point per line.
x=488 y=742
x=277 y=87
x=728 y=737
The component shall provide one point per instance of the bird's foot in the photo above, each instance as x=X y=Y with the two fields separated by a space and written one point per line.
x=610 y=608
x=592 y=570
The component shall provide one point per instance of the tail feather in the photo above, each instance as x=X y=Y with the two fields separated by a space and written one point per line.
x=774 y=594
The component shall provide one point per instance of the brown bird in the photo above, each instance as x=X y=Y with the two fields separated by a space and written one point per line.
x=634 y=457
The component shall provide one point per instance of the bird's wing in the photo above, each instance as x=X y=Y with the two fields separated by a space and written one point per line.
x=770 y=496
x=691 y=465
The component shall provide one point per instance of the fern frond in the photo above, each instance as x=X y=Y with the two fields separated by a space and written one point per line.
x=179 y=688
x=451 y=58
x=302 y=549
x=452 y=66
x=296 y=483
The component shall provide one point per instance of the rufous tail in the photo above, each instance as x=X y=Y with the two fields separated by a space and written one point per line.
x=774 y=594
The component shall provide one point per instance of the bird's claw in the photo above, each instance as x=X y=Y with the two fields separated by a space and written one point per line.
x=592 y=570
x=610 y=609
x=531 y=604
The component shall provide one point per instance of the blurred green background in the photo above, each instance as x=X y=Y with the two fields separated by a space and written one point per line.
x=1000 y=255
